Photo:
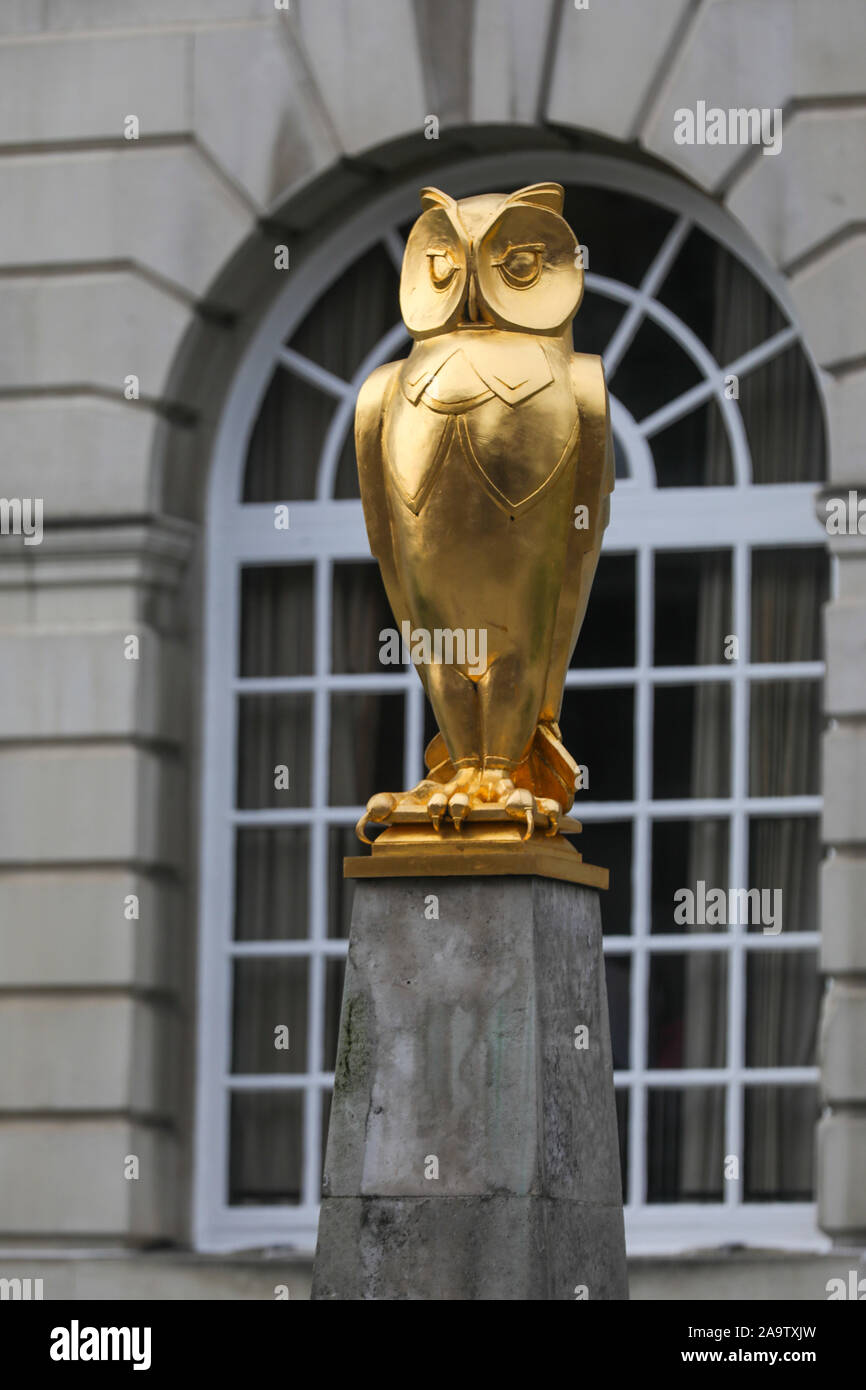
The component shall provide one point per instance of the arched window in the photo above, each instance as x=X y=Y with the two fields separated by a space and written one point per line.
x=693 y=702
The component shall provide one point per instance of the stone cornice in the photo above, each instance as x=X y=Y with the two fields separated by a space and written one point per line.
x=148 y=550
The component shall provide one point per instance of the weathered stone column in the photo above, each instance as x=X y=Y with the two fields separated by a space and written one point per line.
x=472 y=1151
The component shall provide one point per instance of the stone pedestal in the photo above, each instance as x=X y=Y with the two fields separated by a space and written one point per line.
x=472 y=1151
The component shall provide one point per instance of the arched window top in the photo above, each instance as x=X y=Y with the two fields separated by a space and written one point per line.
x=710 y=383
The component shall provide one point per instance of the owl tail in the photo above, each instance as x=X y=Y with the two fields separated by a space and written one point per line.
x=437 y=761
x=548 y=770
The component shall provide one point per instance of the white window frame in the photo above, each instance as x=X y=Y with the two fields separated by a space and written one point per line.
x=644 y=521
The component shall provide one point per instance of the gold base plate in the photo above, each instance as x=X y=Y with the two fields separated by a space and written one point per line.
x=415 y=850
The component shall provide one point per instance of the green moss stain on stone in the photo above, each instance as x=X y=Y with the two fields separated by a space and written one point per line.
x=353 y=1052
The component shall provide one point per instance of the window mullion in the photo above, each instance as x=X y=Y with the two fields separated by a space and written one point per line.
x=319 y=832
x=641 y=879
x=738 y=871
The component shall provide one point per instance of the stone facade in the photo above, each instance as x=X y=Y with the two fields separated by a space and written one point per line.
x=152 y=258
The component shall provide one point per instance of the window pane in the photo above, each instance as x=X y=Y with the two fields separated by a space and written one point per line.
x=688 y=1010
x=784 y=420
x=342 y=844
x=691 y=740
x=265 y=1163
x=276 y=620
x=622 y=1113
x=719 y=298
x=784 y=738
x=604 y=221
x=617 y=971
x=653 y=371
x=692 y=607
x=789 y=588
x=685 y=852
x=609 y=843
x=431 y=728
x=783 y=993
x=335 y=972
x=779 y=1133
x=598 y=318
x=694 y=451
x=269 y=995
x=353 y=314
x=607 y=637
x=361 y=612
x=287 y=439
x=598 y=731
x=685 y=1144
x=272 y=880
x=346 y=483
x=326 y=1115
x=274 y=742
x=366 y=747
x=784 y=852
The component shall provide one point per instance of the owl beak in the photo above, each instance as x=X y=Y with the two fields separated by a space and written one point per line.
x=473 y=310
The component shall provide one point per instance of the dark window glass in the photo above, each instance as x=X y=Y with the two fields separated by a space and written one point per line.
x=271 y=882
x=270 y=994
x=691 y=740
x=266 y=1158
x=687 y=1010
x=692 y=607
x=276 y=620
x=685 y=1144
x=779 y=1166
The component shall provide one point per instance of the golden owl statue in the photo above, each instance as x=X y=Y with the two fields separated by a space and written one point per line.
x=486 y=462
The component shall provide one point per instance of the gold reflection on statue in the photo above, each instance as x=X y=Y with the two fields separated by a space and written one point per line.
x=486 y=463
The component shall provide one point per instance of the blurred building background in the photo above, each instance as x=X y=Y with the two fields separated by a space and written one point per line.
x=204 y=207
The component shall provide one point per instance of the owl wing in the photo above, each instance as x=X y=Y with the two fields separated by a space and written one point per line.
x=370 y=410
x=594 y=480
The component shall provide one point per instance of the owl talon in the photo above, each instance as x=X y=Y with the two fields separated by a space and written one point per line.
x=360 y=827
x=521 y=806
x=378 y=809
x=552 y=809
x=436 y=808
x=458 y=806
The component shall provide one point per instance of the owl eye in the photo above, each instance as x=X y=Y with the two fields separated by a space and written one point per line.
x=442 y=268
x=520 y=267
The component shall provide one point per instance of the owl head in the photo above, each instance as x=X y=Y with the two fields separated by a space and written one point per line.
x=506 y=261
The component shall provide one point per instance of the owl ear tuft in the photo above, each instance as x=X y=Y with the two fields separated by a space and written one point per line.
x=544 y=195
x=435 y=198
